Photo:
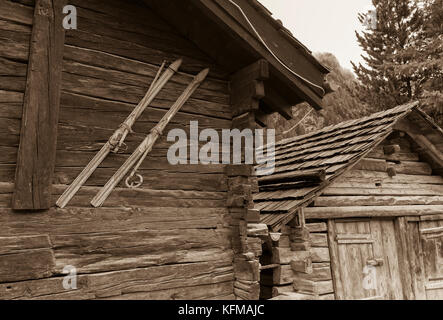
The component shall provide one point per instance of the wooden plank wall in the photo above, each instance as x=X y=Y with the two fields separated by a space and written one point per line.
x=369 y=183
x=169 y=240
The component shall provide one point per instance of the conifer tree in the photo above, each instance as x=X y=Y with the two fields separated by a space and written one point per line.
x=397 y=25
x=403 y=55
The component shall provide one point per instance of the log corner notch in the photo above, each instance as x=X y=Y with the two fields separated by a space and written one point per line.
x=250 y=94
x=247 y=88
x=38 y=136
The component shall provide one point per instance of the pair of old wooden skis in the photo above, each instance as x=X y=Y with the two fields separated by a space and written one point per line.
x=117 y=139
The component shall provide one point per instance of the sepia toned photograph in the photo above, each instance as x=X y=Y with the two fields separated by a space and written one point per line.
x=247 y=152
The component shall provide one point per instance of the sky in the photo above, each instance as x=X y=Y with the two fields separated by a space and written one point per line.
x=323 y=25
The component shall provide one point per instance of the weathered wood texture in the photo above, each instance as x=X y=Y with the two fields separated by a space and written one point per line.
x=38 y=136
x=15 y=35
x=368 y=189
x=354 y=277
x=168 y=240
x=109 y=62
x=304 y=270
x=431 y=239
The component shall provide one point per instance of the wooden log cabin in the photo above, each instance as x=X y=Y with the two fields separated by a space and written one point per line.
x=355 y=211
x=190 y=231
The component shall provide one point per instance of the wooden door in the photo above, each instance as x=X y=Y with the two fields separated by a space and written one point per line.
x=364 y=259
x=431 y=238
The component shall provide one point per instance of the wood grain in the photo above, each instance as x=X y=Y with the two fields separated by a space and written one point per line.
x=36 y=156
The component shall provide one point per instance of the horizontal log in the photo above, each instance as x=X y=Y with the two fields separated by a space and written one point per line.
x=399 y=156
x=150 y=280
x=284 y=242
x=10 y=96
x=247 y=270
x=10 y=245
x=116 y=200
x=317 y=227
x=289 y=296
x=114 y=10
x=283 y=275
x=278 y=290
x=14 y=45
x=6 y=25
x=361 y=175
x=316 y=274
x=406 y=167
x=371 y=165
x=286 y=255
x=346 y=201
x=9 y=127
x=429 y=190
x=26 y=265
x=88 y=220
x=117 y=250
x=313 y=287
x=413 y=168
x=436 y=217
x=8 y=155
x=130 y=66
x=320 y=255
x=123 y=30
x=314 y=176
x=371 y=211
x=12 y=83
x=12 y=68
x=303 y=266
x=142 y=81
x=200 y=292
x=300 y=246
x=16 y=12
x=128 y=49
x=319 y=240
x=256 y=229
x=153 y=179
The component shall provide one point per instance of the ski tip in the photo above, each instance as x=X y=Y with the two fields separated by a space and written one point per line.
x=202 y=75
x=176 y=64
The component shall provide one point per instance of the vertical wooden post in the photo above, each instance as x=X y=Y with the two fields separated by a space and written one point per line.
x=247 y=88
x=38 y=137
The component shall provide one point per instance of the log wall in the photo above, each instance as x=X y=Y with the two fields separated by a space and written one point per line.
x=396 y=181
x=396 y=184
x=15 y=34
x=169 y=240
x=304 y=271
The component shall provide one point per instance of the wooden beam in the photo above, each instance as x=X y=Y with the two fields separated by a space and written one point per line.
x=247 y=88
x=275 y=101
x=256 y=71
x=38 y=138
x=377 y=200
x=371 y=211
x=310 y=175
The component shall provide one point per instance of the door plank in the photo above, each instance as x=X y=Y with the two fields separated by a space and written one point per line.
x=432 y=246
x=404 y=256
x=335 y=266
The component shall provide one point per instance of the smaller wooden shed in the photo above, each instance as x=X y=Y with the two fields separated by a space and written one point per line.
x=355 y=211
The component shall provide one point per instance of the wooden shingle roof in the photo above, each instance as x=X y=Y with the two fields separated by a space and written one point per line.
x=305 y=165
